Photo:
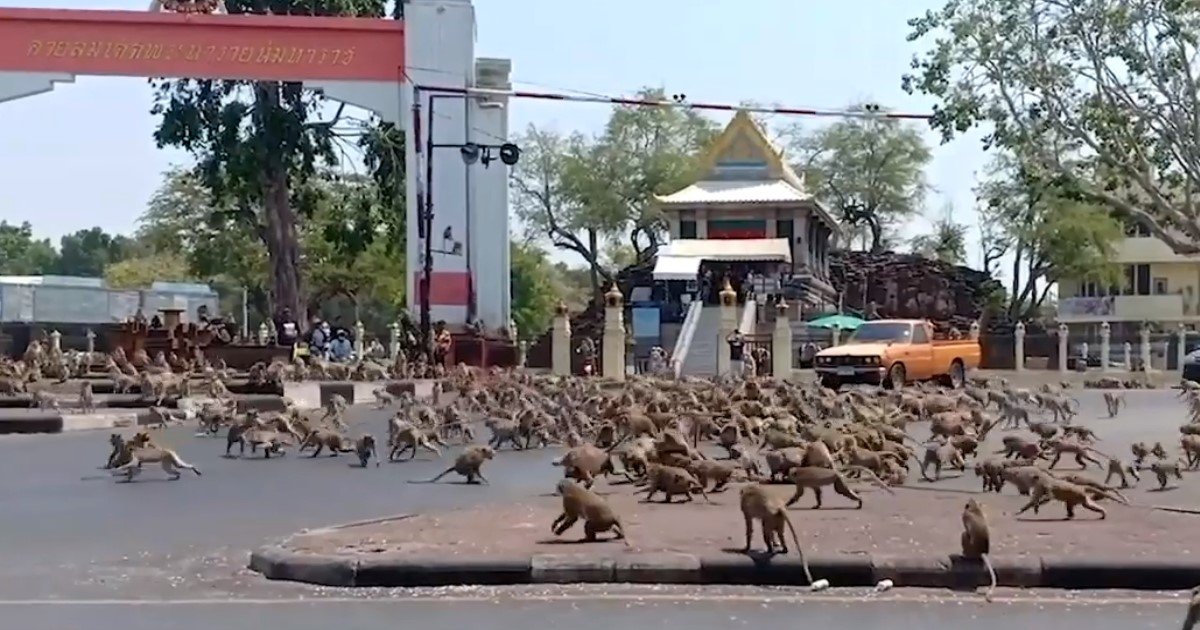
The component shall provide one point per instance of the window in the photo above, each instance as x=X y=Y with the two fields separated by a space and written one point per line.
x=1142 y=275
x=1134 y=229
x=1160 y=286
x=919 y=335
x=1128 y=288
x=784 y=228
x=687 y=229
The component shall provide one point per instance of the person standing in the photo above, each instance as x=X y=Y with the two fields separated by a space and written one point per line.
x=737 y=344
x=287 y=331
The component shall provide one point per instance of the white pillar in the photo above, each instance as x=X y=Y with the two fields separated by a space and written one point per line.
x=614 y=334
x=1105 y=346
x=1145 y=349
x=1181 y=351
x=837 y=335
x=781 y=344
x=729 y=324
x=560 y=342
x=1083 y=352
x=91 y=342
x=56 y=341
x=1019 y=346
x=1063 y=331
x=360 y=343
x=393 y=340
x=264 y=334
x=522 y=352
x=973 y=332
x=1128 y=356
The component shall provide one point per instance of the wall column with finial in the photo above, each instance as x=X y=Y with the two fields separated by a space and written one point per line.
x=1019 y=347
x=781 y=344
x=614 y=335
x=728 y=325
x=393 y=340
x=1144 y=338
x=1063 y=332
x=560 y=342
x=1105 y=346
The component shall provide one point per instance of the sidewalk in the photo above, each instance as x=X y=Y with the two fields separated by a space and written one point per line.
x=908 y=537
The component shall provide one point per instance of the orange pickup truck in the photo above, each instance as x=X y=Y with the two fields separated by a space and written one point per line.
x=892 y=352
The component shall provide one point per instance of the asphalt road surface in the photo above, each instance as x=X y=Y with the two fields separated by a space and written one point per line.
x=66 y=538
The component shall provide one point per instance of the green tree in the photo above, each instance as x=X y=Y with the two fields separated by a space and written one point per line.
x=533 y=292
x=23 y=255
x=869 y=170
x=140 y=272
x=1099 y=95
x=946 y=242
x=1050 y=234
x=256 y=144
x=578 y=192
x=88 y=252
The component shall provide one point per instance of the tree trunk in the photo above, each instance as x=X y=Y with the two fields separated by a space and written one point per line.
x=279 y=218
x=594 y=272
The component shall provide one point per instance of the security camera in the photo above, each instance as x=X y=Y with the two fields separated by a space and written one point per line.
x=470 y=153
x=509 y=153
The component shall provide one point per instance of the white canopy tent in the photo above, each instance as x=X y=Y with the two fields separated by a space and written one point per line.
x=680 y=259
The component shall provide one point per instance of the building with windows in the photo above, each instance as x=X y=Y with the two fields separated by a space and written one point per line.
x=750 y=210
x=1159 y=286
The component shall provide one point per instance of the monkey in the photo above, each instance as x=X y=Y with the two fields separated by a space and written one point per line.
x=117 y=442
x=140 y=450
x=365 y=448
x=1019 y=447
x=1140 y=453
x=941 y=455
x=1118 y=468
x=991 y=471
x=1158 y=451
x=720 y=472
x=1113 y=403
x=322 y=439
x=383 y=398
x=468 y=464
x=1046 y=488
x=1023 y=477
x=43 y=400
x=410 y=437
x=672 y=480
x=579 y=502
x=1193 y=611
x=1081 y=452
x=1191 y=450
x=815 y=477
x=87 y=400
x=1079 y=432
x=1102 y=491
x=1163 y=471
x=976 y=540
x=771 y=514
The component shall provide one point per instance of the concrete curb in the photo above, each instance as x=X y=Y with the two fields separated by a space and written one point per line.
x=276 y=562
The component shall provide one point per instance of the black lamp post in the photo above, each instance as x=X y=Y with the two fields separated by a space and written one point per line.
x=471 y=153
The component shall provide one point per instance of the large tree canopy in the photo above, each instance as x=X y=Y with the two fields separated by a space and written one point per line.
x=257 y=143
x=21 y=254
x=1099 y=95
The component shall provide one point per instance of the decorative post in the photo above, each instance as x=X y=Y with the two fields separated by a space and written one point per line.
x=1019 y=346
x=1128 y=357
x=523 y=351
x=393 y=340
x=1083 y=352
x=264 y=334
x=1145 y=349
x=630 y=346
x=973 y=332
x=1063 y=331
x=360 y=344
x=728 y=325
x=781 y=344
x=560 y=342
x=1105 y=346
x=56 y=341
x=91 y=341
x=837 y=335
x=1181 y=351
x=614 y=334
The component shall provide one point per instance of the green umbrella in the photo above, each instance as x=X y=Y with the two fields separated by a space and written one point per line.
x=844 y=322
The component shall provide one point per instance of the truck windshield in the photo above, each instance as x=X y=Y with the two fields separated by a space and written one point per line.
x=882 y=331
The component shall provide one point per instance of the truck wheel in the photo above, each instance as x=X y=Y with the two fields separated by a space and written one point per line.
x=895 y=377
x=958 y=374
x=830 y=382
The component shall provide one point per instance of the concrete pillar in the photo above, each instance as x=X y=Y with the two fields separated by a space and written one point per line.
x=56 y=341
x=1105 y=346
x=1063 y=333
x=1019 y=346
x=264 y=334
x=393 y=340
x=1145 y=349
x=1083 y=352
x=560 y=342
x=614 y=334
x=729 y=324
x=91 y=341
x=781 y=344
x=973 y=332
x=1181 y=350
x=360 y=344
x=837 y=335
x=1128 y=356
x=522 y=352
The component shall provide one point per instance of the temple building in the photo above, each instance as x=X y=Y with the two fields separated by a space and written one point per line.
x=749 y=217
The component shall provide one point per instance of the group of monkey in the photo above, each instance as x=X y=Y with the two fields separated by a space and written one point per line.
x=649 y=431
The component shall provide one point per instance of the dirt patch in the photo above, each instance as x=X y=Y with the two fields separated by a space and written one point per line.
x=910 y=522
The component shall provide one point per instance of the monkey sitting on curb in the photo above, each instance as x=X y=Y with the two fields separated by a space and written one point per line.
x=579 y=502
x=976 y=540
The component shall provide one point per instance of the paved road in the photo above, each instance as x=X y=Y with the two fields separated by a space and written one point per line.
x=66 y=538
x=695 y=611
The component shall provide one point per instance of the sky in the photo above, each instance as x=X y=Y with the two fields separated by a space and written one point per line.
x=84 y=155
